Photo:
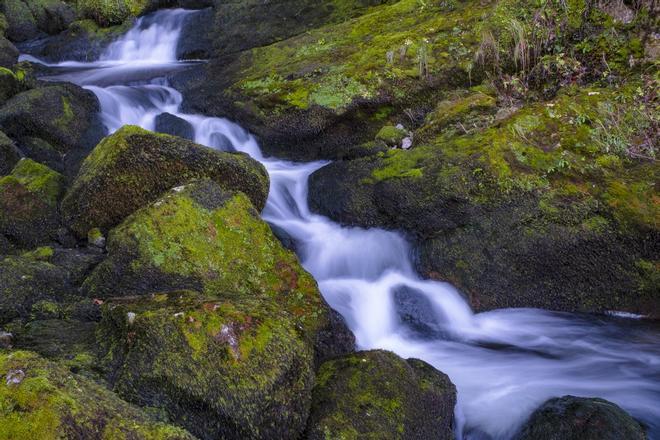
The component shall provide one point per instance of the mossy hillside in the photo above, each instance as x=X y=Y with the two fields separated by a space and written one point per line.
x=303 y=96
x=562 y=180
x=376 y=394
x=221 y=367
x=51 y=403
x=205 y=238
x=311 y=90
x=133 y=167
x=28 y=204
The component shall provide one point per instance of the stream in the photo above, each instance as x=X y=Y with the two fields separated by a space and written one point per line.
x=505 y=363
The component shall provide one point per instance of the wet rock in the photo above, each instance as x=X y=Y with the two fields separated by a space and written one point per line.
x=63 y=115
x=28 y=204
x=133 y=167
x=58 y=404
x=376 y=394
x=8 y=54
x=417 y=312
x=167 y=123
x=196 y=40
x=9 y=155
x=579 y=418
x=95 y=238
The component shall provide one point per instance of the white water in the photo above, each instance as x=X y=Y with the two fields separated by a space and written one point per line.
x=504 y=363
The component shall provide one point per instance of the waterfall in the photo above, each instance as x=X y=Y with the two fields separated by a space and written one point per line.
x=505 y=363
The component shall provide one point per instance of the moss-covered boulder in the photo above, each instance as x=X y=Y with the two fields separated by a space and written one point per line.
x=579 y=418
x=9 y=155
x=221 y=367
x=133 y=167
x=377 y=395
x=27 y=20
x=28 y=203
x=41 y=399
x=63 y=115
x=554 y=206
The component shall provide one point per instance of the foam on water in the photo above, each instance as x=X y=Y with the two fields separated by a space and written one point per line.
x=504 y=363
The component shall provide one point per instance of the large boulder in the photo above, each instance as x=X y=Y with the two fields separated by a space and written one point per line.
x=28 y=204
x=10 y=84
x=376 y=394
x=63 y=115
x=133 y=167
x=533 y=210
x=579 y=418
x=232 y=356
x=42 y=399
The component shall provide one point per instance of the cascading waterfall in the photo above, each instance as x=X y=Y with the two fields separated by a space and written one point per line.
x=504 y=363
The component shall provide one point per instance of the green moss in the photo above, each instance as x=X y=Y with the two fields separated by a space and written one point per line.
x=110 y=12
x=375 y=394
x=38 y=179
x=391 y=135
x=44 y=253
x=49 y=402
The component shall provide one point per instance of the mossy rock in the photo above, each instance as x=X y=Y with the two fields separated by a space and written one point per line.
x=580 y=418
x=64 y=115
x=10 y=83
x=41 y=399
x=9 y=155
x=27 y=20
x=547 y=208
x=111 y=12
x=221 y=367
x=25 y=281
x=377 y=395
x=392 y=136
x=133 y=167
x=28 y=204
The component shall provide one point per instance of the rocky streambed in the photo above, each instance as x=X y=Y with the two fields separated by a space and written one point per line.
x=142 y=294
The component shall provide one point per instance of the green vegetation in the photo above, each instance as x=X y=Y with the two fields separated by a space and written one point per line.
x=41 y=399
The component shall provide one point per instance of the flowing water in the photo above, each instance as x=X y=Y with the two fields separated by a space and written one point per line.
x=504 y=363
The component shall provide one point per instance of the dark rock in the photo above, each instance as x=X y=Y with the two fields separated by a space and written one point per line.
x=64 y=115
x=287 y=241
x=376 y=394
x=196 y=42
x=167 y=123
x=134 y=167
x=417 y=312
x=10 y=85
x=8 y=54
x=579 y=418
x=9 y=155
x=43 y=152
x=24 y=282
